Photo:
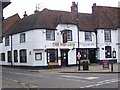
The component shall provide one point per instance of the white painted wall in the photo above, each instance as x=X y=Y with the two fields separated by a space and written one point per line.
x=118 y=45
x=72 y=57
x=36 y=42
x=101 y=43
x=87 y=44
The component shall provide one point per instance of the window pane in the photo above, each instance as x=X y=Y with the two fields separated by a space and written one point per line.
x=15 y=56
x=6 y=41
x=107 y=36
x=88 y=36
x=2 y=56
x=50 y=34
x=22 y=37
x=69 y=35
x=38 y=56
x=108 y=52
x=52 y=55
x=9 y=56
x=23 y=56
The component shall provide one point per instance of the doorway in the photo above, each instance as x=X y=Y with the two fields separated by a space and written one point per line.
x=92 y=56
x=64 y=57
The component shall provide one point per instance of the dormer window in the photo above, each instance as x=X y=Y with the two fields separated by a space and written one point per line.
x=7 y=41
x=22 y=37
x=67 y=35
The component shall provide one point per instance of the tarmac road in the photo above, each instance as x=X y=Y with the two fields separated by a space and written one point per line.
x=23 y=78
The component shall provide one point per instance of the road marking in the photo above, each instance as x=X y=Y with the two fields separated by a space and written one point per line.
x=91 y=78
x=24 y=74
x=87 y=78
x=102 y=83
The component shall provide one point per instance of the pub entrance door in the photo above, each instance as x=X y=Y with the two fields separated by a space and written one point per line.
x=64 y=57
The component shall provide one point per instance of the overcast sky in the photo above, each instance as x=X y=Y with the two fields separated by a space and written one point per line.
x=84 y=6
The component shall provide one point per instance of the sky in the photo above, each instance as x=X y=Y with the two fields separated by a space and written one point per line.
x=84 y=6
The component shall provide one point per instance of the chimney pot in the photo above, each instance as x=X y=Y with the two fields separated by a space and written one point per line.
x=25 y=14
x=94 y=4
x=73 y=3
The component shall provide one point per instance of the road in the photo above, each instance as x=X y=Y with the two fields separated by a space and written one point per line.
x=23 y=78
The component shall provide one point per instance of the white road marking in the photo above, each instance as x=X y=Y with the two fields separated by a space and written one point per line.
x=102 y=83
x=91 y=78
x=87 y=78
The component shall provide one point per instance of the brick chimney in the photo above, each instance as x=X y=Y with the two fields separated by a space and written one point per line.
x=74 y=7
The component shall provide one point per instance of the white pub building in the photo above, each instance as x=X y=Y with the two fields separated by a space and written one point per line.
x=50 y=37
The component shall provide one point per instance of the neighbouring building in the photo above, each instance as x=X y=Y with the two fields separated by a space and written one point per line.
x=3 y=4
x=50 y=37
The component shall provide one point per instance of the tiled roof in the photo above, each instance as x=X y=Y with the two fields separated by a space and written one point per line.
x=9 y=23
x=105 y=17
x=49 y=19
x=86 y=22
x=101 y=17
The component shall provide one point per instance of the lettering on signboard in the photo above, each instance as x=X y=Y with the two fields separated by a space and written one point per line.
x=63 y=44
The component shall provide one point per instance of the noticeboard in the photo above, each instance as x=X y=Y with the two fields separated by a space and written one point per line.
x=105 y=64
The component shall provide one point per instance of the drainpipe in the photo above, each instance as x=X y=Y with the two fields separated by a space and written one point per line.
x=11 y=51
x=96 y=43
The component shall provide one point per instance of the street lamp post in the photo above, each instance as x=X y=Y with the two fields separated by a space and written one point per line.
x=78 y=52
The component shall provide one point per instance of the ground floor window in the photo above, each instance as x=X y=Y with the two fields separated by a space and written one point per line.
x=84 y=54
x=15 y=56
x=23 y=56
x=38 y=56
x=52 y=55
x=2 y=56
x=108 y=52
x=87 y=54
x=9 y=56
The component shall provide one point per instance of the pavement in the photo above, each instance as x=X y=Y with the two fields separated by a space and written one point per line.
x=93 y=68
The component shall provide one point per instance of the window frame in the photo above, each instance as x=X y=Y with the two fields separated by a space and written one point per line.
x=52 y=55
x=15 y=56
x=106 y=36
x=7 y=41
x=24 y=52
x=22 y=37
x=108 y=52
x=9 y=56
x=88 y=36
x=36 y=56
x=50 y=35
x=67 y=35
x=2 y=58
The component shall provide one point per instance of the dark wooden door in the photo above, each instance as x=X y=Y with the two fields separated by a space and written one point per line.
x=64 y=57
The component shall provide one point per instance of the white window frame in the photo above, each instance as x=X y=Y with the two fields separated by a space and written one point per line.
x=107 y=36
x=50 y=35
x=38 y=56
x=22 y=37
x=7 y=41
x=88 y=36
